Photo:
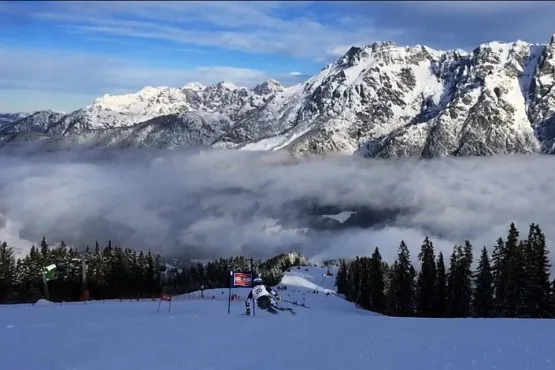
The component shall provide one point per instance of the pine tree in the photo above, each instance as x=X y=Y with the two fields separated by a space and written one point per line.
x=529 y=271
x=459 y=282
x=7 y=271
x=537 y=302
x=364 y=283
x=353 y=281
x=441 y=287
x=498 y=258
x=542 y=267
x=341 y=278
x=401 y=290
x=452 y=299
x=44 y=249
x=427 y=279
x=466 y=276
x=514 y=275
x=349 y=291
x=482 y=304
x=377 y=284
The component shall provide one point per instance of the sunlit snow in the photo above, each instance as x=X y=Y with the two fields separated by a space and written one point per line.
x=199 y=334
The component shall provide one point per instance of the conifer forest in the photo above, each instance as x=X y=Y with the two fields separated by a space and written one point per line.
x=113 y=272
x=511 y=278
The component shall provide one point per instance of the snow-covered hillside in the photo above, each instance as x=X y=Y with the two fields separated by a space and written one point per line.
x=199 y=334
x=380 y=100
x=12 y=117
x=6 y=119
x=36 y=122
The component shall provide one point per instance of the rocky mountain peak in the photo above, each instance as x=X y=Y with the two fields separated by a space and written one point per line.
x=355 y=55
x=382 y=45
x=379 y=100
x=195 y=86
x=268 y=87
x=351 y=58
x=225 y=85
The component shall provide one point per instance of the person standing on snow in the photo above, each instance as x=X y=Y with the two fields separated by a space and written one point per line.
x=266 y=298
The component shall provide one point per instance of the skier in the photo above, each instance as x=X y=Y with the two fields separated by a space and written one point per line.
x=266 y=298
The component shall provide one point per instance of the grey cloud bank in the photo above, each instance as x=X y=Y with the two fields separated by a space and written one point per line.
x=207 y=203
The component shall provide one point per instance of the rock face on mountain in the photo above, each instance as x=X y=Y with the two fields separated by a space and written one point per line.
x=7 y=118
x=39 y=122
x=381 y=100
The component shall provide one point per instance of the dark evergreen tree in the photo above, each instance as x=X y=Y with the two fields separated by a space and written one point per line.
x=452 y=299
x=377 y=283
x=7 y=272
x=499 y=277
x=459 y=282
x=44 y=249
x=537 y=302
x=341 y=277
x=466 y=276
x=364 y=284
x=482 y=303
x=514 y=275
x=401 y=293
x=427 y=280
x=353 y=281
x=441 y=287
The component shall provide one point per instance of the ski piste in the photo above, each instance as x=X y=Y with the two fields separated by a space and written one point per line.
x=295 y=304
x=291 y=311
x=286 y=309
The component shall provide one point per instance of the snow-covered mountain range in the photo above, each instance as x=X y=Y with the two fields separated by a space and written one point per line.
x=380 y=100
x=8 y=118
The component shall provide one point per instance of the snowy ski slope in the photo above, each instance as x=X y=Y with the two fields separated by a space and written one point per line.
x=199 y=334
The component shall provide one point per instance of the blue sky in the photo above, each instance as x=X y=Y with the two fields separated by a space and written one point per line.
x=61 y=55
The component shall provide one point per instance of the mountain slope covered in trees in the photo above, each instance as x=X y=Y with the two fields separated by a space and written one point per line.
x=514 y=281
x=116 y=272
x=511 y=281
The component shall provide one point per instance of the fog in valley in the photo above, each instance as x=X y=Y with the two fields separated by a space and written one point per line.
x=206 y=203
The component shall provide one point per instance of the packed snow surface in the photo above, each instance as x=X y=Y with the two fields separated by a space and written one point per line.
x=199 y=334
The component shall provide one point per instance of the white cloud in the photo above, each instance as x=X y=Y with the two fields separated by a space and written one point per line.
x=250 y=27
x=228 y=201
x=472 y=7
x=74 y=79
x=21 y=100
x=299 y=29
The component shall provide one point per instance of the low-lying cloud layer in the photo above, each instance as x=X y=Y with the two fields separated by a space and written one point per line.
x=207 y=203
